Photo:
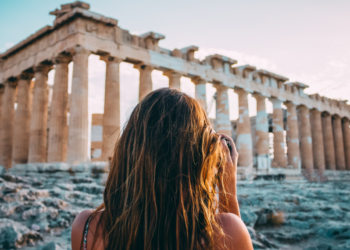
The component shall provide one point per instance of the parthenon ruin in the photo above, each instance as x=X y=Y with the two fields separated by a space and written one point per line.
x=318 y=134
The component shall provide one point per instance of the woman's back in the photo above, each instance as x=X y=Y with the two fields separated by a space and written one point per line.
x=237 y=234
x=161 y=188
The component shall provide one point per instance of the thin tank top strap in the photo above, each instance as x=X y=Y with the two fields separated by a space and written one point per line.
x=86 y=230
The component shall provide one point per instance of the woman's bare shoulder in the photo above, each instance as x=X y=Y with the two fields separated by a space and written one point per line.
x=236 y=233
x=78 y=228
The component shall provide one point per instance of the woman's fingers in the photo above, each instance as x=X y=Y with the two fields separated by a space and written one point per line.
x=227 y=150
x=233 y=152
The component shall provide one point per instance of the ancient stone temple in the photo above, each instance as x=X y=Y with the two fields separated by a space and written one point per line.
x=317 y=128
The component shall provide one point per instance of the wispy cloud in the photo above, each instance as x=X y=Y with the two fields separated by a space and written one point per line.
x=333 y=81
x=6 y=47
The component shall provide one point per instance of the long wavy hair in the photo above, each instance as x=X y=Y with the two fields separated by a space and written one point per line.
x=161 y=189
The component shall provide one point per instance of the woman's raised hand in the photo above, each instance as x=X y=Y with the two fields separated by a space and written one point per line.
x=232 y=156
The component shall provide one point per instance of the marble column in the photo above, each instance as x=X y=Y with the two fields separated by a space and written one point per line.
x=317 y=140
x=58 y=141
x=307 y=161
x=346 y=133
x=111 y=116
x=328 y=140
x=338 y=143
x=21 y=126
x=78 y=108
x=262 y=133
x=38 y=122
x=222 y=110
x=293 y=152
x=2 y=90
x=279 y=156
x=244 y=137
x=146 y=85
x=174 y=79
x=200 y=92
x=6 y=125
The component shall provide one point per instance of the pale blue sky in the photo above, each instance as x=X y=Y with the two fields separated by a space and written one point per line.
x=305 y=40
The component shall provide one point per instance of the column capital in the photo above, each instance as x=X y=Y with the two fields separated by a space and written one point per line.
x=276 y=102
x=12 y=82
x=172 y=73
x=220 y=86
x=62 y=58
x=336 y=117
x=302 y=107
x=258 y=96
x=143 y=67
x=345 y=119
x=78 y=49
x=290 y=104
x=44 y=68
x=315 y=111
x=240 y=91
x=198 y=80
x=26 y=75
x=108 y=59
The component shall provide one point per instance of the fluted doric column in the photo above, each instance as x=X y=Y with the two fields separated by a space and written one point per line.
x=200 y=92
x=21 y=126
x=174 y=79
x=111 y=116
x=58 y=133
x=146 y=85
x=279 y=156
x=307 y=161
x=244 y=136
x=346 y=133
x=38 y=123
x=222 y=111
x=338 y=143
x=78 y=110
x=293 y=152
x=6 y=125
x=317 y=140
x=262 y=133
x=2 y=90
x=328 y=140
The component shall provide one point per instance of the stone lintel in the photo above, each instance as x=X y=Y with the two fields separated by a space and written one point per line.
x=262 y=72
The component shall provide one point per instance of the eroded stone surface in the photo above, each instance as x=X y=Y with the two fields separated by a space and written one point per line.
x=301 y=215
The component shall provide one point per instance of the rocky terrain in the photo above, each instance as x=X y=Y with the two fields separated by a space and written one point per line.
x=38 y=204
